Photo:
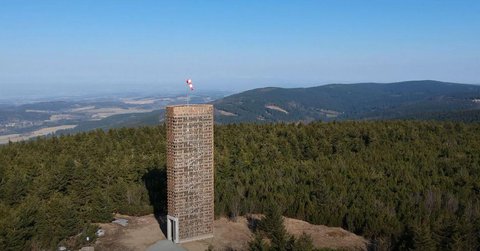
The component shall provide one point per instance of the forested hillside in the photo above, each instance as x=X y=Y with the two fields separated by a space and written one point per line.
x=403 y=185
x=466 y=116
x=366 y=101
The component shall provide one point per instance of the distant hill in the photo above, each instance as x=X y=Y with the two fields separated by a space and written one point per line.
x=414 y=100
x=424 y=99
x=121 y=120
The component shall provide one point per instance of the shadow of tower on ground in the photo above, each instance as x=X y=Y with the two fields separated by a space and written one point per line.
x=156 y=183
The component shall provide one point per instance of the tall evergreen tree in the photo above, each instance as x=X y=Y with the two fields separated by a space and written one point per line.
x=272 y=226
x=423 y=239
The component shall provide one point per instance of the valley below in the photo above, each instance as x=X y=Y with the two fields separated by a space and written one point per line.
x=31 y=120
x=409 y=100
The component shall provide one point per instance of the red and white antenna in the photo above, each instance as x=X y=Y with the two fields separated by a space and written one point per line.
x=190 y=85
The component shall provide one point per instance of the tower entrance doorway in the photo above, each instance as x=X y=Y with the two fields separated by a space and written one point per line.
x=172 y=229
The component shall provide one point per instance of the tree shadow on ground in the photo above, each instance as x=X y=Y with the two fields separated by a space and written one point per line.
x=156 y=183
x=252 y=222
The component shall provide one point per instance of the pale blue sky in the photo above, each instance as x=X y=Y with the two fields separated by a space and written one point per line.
x=234 y=44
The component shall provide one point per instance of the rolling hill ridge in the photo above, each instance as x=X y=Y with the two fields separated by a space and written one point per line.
x=410 y=99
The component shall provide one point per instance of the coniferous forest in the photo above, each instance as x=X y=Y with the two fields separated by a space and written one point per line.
x=401 y=184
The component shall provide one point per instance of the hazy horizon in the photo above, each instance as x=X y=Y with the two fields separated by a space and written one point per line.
x=58 y=91
x=73 y=47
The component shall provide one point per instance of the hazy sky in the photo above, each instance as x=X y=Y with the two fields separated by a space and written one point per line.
x=234 y=44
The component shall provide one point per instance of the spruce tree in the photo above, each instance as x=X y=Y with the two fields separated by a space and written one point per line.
x=272 y=226
x=303 y=243
x=257 y=243
x=423 y=239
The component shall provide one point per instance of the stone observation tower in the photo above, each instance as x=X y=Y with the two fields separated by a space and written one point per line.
x=189 y=172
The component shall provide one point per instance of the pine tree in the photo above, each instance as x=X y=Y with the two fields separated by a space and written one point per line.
x=257 y=243
x=423 y=239
x=272 y=226
x=303 y=243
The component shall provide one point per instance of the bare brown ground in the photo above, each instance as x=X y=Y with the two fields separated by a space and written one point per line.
x=326 y=237
x=144 y=231
x=140 y=233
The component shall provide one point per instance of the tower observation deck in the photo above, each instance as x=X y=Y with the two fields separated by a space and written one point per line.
x=190 y=180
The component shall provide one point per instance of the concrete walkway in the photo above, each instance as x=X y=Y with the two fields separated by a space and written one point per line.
x=165 y=245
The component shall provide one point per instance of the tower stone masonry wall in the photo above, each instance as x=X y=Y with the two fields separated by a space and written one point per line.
x=190 y=172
